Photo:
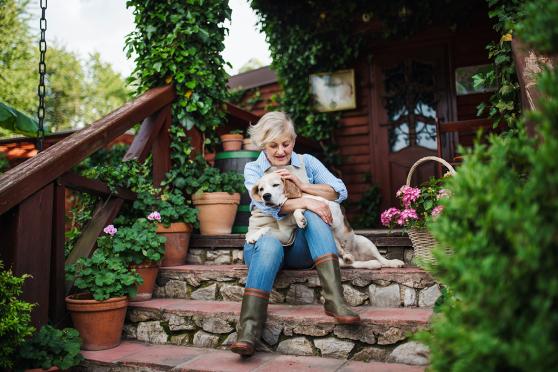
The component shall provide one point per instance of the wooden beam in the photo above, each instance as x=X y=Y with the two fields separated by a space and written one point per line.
x=57 y=306
x=161 y=151
x=464 y=125
x=77 y=182
x=20 y=182
x=150 y=128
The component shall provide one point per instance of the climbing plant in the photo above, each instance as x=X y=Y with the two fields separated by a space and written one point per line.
x=180 y=42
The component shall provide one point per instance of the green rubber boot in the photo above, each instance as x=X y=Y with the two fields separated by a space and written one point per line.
x=252 y=319
x=330 y=278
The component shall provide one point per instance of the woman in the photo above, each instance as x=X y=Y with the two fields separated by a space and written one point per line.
x=314 y=245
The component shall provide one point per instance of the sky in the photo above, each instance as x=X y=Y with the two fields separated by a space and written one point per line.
x=85 y=26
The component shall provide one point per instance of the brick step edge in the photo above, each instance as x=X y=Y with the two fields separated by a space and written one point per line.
x=167 y=357
x=293 y=330
x=407 y=287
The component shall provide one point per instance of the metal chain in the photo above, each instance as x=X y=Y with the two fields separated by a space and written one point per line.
x=42 y=72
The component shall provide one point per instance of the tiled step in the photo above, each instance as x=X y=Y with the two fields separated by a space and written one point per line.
x=134 y=356
x=290 y=329
x=408 y=287
x=227 y=249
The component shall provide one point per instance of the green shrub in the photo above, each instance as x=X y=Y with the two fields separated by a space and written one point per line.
x=501 y=222
x=51 y=347
x=171 y=205
x=4 y=164
x=15 y=316
x=138 y=243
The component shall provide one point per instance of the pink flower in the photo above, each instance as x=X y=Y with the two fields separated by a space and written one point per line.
x=408 y=195
x=437 y=210
x=154 y=216
x=388 y=215
x=406 y=215
x=443 y=193
x=110 y=229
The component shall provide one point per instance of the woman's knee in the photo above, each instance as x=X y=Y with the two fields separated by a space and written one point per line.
x=312 y=219
x=269 y=252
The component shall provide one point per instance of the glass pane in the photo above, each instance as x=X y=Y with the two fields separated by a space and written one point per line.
x=398 y=137
x=467 y=83
x=426 y=135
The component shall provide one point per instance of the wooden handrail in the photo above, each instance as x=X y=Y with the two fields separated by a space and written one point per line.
x=30 y=176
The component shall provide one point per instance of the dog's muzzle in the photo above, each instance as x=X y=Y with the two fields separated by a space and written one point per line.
x=266 y=197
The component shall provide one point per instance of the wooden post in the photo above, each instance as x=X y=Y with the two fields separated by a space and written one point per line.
x=161 y=151
x=57 y=308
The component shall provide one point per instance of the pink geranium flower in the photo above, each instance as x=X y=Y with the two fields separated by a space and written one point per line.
x=443 y=193
x=408 y=195
x=110 y=229
x=437 y=210
x=154 y=216
x=387 y=216
x=406 y=215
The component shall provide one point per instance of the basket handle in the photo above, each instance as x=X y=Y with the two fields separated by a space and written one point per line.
x=425 y=159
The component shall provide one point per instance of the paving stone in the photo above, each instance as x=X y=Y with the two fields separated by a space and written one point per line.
x=409 y=296
x=391 y=336
x=384 y=296
x=179 y=323
x=206 y=293
x=195 y=256
x=355 y=332
x=352 y=296
x=176 y=289
x=410 y=353
x=271 y=332
x=369 y=353
x=219 y=257
x=231 y=292
x=136 y=315
x=152 y=332
x=180 y=339
x=333 y=348
x=360 y=282
x=230 y=339
x=296 y=346
x=428 y=296
x=204 y=339
x=300 y=294
x=216 y=325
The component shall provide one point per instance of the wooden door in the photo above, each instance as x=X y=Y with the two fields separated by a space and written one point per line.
x=409 y=93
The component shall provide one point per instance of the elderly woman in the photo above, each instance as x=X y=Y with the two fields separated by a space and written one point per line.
x=312 y=245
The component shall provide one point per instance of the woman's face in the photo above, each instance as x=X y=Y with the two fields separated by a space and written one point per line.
x=279 y=151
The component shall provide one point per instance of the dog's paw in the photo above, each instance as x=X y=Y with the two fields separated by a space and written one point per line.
x=348 y=258
x=394 y=263
x=251 y=238
x=300 y=219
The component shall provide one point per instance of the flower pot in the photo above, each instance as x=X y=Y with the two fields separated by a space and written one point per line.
x=231 y=142
x=51 y=369
x=248 y=145
x=178 y=240
x=216 y=211
x=209 y=158
x=148 y=272
x=99 y=323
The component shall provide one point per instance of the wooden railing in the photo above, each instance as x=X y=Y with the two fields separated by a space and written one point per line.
x=32 y=197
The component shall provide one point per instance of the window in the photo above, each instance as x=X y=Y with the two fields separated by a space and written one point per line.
x=470 y=79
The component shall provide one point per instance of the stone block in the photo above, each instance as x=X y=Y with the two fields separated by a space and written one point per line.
x=355 y=332
x=230 y=339
x=428 y=296
x=231 y=292
x=129 y=331
x=205 y=294
x=369 y=353
x=391 y=336
x=271 y=332
x=219 y=257
x=276 y=297
x=410 y=353
x=180 y=339
x=179 y=323
x=195 y=256
x=409 y=296
x=296 y=346
x=152 y=332
x=300 y=294
x=204 y=339
x=352 y=296
x=333 y=348
x=384 y=296
x=313 y=330
x=237 y=256
x=176 y=289
x=216 y=325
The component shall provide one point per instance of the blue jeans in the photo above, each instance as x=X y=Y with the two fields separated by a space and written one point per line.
x=267 y=256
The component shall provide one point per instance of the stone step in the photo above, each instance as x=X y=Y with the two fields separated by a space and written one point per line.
x=387 y=287
x=135 y=356
x=290 y=329
x=227 y=249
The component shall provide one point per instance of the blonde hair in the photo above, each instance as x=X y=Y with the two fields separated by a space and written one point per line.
x=271 y=126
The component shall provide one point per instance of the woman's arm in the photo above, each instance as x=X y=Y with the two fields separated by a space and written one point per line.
x=325 y=191
x=317 y=206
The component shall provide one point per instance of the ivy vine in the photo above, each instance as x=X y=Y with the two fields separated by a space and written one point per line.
x=180 y=42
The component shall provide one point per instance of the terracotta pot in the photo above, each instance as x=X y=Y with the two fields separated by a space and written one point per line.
x=231 y=142
x=51 y=369
x=178 y=240
x=99 y=323
x=248 y=145
x=210 y=158
x=217 y=211
x=148 y=272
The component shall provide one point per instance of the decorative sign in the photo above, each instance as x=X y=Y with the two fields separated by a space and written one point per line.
x=334 y=91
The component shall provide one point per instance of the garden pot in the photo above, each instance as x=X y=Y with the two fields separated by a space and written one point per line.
x=231 y=142
x=178 y=240
x=148 y=272
x=249 y=146
x=209 y=158
x=51 y=369
x=216 y=211
x=99 y=323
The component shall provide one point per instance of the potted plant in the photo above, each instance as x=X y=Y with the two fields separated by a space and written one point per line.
x=98 y=311
x=142 y=249
x=176 y=218
x=217 y=199
x=50 y=349
x=232 y=141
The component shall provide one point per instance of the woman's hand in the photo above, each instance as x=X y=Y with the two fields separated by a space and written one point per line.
x=320 y=208
x=286 y=175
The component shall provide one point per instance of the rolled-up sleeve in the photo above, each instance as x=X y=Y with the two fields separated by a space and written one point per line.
x=252 y=174
x=321 y=175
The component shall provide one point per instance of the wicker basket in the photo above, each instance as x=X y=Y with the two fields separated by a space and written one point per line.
x=422 y=240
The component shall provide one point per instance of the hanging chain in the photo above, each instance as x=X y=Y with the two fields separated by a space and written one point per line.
x=42 y=72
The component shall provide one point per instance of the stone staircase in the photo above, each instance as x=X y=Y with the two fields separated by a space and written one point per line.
x=196 y=309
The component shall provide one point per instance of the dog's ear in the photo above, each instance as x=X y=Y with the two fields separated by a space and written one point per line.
x=254 y=193
x=291 y=190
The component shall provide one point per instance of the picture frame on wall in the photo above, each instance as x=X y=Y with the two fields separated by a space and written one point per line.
x=334 y=91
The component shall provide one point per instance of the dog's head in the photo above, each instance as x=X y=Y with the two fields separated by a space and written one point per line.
x=272 y=190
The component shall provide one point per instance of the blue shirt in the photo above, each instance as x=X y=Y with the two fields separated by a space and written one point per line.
x=317 y=173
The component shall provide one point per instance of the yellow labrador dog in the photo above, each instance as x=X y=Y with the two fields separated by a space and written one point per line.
x=354 y=250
